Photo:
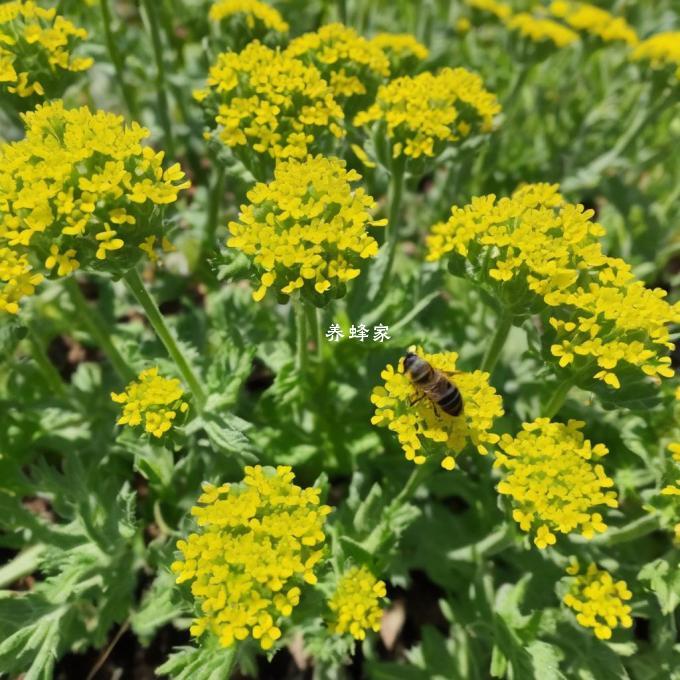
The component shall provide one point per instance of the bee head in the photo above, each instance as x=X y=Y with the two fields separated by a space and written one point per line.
x=409 y=360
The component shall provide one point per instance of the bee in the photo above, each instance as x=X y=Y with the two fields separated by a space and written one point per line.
x=434 y=384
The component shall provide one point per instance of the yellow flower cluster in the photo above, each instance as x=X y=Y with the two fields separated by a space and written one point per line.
x=258 y=16
x=541 y=30
x=500 y=10
x=615 y=320
x=306 y=229
x=346 y=60
x=548 y=473
x=17 y=280
x=81 y=190
x=423 y=112
x=661 y=51
x=256 y=543
x=152 y=401
x=533 y=236
x=599 y=601
x=356 y=603
x=535 y=249
x=419 y=426
x=270 y=102
x=582 y=16
x=402 y=49
x=36 y=49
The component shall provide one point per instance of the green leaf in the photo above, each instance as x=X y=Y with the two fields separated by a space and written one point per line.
x=663 y=577
x=190 y=663
x=160 y=604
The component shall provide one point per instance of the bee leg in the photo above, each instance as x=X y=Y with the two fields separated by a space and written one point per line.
x=413 y=403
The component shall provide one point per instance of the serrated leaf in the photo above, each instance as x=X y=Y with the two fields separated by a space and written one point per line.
x=367 y=512
x=190 y=663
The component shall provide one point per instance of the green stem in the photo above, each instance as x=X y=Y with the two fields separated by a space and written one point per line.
x=395 y=196
x=97 y=328
x=301 y=336
x=24 y=563
x=41 y=358
x=117 y=60
x=153 y=314
x=418 y=475
x=314 y=328
x=638 y=528
x=215 y=202
x=558 y=398
x=342 y=11
x=493 y=351
x=486 y=547
x=161 y=84
x=416 y=478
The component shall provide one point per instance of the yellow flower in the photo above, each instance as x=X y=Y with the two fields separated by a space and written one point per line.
x=346 y=60
x=671 y=490
x=356 y=603
x=548 y=473
x=599 y=601
x=36 y=50
x=661 y=50
x=151 y=401
x=423 y=112
x=306 y=229
x=420 y=429
x=269 y=102
x=256 y=544
x=402 y=49
x=500 y=10
x=17 y=279
x=541 y=30
x=73 y=176
x=534 y=250
x=259 y=16
x=674 y=448
x=66 y=262
x=582 y=16
x=615 y=320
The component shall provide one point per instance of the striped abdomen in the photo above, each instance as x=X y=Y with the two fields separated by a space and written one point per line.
x=434 y=384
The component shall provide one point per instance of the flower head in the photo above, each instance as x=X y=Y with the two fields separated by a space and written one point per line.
x=423 y=112
x=582 y=16
x=402 y=49
x=536 y=251
x=36 y=50
x=541 y=30
x=151 y=401
x=500 y=10
x=306 y=229
x=81 y=190
x=351 y=64
x=421 y=427
x=549 y=475
x=356 y=603
x=598 y=600
x=259 y=17
x=17 y=279
x=270 y=102
x=256 y=544
x=533 y=241
x=661 y=51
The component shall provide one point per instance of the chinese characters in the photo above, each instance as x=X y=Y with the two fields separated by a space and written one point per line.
x=359 y=332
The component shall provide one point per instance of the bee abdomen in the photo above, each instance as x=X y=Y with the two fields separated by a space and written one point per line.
x=452 y=401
